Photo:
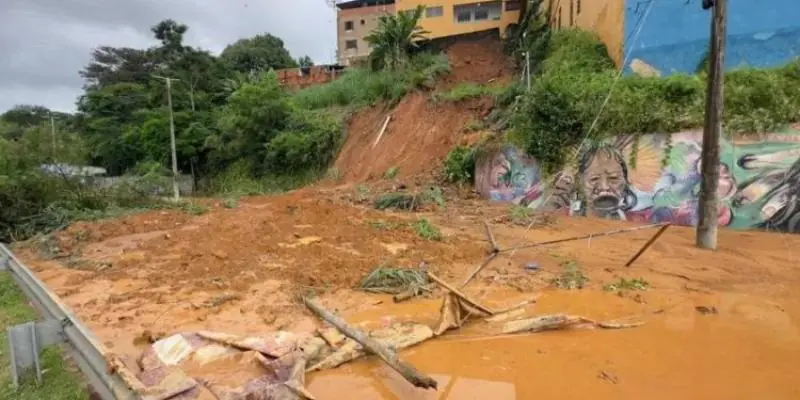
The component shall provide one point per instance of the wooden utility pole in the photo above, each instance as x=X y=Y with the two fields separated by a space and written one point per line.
x=53 y=134
x=175 y=191
x=709 y=203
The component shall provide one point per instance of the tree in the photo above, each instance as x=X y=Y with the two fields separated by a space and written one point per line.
x=305 y=61
x=112 y=65
x=257 y=54
x=395 y=38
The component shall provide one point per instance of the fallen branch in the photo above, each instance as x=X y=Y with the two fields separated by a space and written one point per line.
x=561 y=321
x=647 y=245
x=492 y=256
x=490 y=235
x=460 y=295
x=514 y=311
x=383 y=130
x=408 y=372
x=478 y=269
x=589 y=236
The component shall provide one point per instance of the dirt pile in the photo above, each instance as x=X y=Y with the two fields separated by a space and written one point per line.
x=239 y=271
x=417 y=139
x=479 y=61
x=422 y=132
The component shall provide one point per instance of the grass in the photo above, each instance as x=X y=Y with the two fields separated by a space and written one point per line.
x=382 y=225
x=193 y=208
x=362 y=87
x=427 y=231
x=519 y=214
x=468 y=90
x=59 y=381
x=571 y=277
x=626 y=284
x=391 y=173
x=386 y=279
x=231 y=202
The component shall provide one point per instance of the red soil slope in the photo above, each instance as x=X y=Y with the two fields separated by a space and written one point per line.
x=421 y=133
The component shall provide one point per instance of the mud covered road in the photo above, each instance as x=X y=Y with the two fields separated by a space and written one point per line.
x=719 y=325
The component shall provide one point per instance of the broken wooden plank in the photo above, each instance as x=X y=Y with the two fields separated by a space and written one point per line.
x=460 y=295
x=408 y=371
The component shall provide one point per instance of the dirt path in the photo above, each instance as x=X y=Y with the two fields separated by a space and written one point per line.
x=240 y=271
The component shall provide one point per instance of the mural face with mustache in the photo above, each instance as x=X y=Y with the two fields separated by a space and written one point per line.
x=603 y=184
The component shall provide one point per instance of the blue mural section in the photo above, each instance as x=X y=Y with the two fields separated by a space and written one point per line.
x=674 y=37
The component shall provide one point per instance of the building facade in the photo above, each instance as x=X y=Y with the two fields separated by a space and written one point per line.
x=671 y=36
x=442 y=18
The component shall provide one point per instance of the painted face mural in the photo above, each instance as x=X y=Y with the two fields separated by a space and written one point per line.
x=758 y=187
x=508 y=175
x=604 y=183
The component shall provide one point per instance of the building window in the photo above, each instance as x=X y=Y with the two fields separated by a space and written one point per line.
x=362 y=22
x=432 y=12
x=351 y=44
x=348 y=25
x=478 y=12
x=514 y=5
x=578 y=11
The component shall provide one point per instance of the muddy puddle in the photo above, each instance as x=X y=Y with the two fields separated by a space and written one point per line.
x=744 y=350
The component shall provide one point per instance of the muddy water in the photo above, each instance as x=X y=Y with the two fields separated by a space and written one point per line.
x=748 y=350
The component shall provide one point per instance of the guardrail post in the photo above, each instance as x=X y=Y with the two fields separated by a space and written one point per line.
x=25 y=342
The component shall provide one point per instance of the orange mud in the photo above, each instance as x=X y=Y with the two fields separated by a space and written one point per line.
x=419 y=123
x=239 y=271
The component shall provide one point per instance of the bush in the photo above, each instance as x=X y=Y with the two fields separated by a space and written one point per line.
x=567 y=97
x=469 y=90
x=363 y=87
x=459 y=167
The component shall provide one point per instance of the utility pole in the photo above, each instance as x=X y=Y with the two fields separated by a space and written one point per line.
x=175 y=192
x=709 y=203
x=53 y=134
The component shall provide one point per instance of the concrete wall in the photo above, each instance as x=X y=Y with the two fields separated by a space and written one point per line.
x=759 y=181
x=364 y=20
x=604 y=17
x=447 y=24
x=675 y=36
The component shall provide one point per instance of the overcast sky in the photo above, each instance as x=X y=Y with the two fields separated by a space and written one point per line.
x=44 y=43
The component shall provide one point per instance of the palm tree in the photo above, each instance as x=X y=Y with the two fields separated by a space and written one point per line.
x=395 y=38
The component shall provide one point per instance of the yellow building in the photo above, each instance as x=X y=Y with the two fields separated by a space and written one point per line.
x=442 y=18
x=604 y=17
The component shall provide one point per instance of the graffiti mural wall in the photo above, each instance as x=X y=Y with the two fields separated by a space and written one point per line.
x=657 y=179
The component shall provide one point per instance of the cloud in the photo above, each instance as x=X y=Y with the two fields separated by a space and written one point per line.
x=46 y=42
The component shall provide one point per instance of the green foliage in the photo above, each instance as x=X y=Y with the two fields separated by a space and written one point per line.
x=469 y=90
x=427 y=231
x=362 y=87
x=567 y=97
x=305 y=61
x=231 y=202
x=387 y=279
x=60 y=381
x=193 y=208
x=571 y=277
x=519 y=214
x=531 y=35
x=626 y=284
x=259 y=53
x=391 y=173
x=395 y=38
x=459 y=166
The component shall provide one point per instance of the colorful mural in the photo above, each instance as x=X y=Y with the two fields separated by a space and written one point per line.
x=759 y=183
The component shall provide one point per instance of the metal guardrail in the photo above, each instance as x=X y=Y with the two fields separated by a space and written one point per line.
x=84 y=346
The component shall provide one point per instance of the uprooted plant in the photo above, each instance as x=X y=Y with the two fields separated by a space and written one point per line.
x=391 y=280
